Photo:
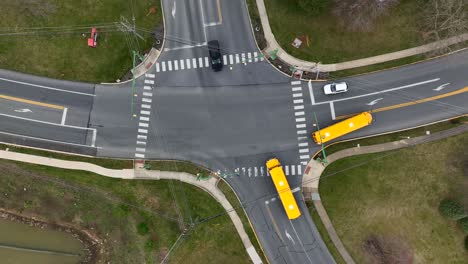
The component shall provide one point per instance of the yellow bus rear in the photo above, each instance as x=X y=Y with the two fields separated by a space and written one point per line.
x=283 y=189
x=342 y=128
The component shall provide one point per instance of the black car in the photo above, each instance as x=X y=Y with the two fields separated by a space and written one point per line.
x=215 y=55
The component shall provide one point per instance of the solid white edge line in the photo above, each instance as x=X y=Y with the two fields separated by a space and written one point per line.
x=311 y=92
x=64 y=116
x=380 y=92
x=332 y=109
x=45 y=122
x=48 y=140
x=46 y=87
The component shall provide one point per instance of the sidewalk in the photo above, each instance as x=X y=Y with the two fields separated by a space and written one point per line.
x=208 y=185
x=308 y=66
x=310 y=181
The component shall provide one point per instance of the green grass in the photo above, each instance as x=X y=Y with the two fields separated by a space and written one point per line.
x=106 y=163
x=396 y=195
x=330 y=43
x=67 y=56
x=232 y=198
x=114 y=209
x=324 y=234
x=176 y=165
x=420 y=131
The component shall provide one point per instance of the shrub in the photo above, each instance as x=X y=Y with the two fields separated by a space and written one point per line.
x=466 y=243
x=451 y=209
x=313 y=7
x=464 y=224
x=142 y=228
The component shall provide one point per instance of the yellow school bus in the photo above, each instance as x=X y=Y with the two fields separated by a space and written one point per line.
x=283 y=189
x=342 y=128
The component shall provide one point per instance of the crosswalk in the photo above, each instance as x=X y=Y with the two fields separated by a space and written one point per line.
x=301 y=122
x=144 y=116
x=260 y=171
x=204 y=62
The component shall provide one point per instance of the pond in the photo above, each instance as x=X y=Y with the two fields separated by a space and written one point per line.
x=21 y=243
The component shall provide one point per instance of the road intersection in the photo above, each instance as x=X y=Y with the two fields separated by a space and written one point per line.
x=231 y=121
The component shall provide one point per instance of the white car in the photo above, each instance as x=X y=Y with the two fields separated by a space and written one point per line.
x=334 y=88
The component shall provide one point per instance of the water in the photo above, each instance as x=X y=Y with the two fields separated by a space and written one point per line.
x=63 y=247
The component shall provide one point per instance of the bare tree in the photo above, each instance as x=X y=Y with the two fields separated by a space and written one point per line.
x=442 y=19
x=359 y=15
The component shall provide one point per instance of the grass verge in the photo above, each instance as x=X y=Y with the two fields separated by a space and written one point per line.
x=420 y=131
x=324 y=234
x=232 y=198
x=103 y=162
x=331 y=43
x=55 y=47
x=138 y=220
x=391 y=202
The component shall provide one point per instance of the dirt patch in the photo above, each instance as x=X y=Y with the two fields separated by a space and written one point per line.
x=89 y=240
x=380 y=249
x=37 y=8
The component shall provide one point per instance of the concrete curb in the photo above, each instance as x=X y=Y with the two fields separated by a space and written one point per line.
x=314 y=169
x=272 y=45
x=209 y=185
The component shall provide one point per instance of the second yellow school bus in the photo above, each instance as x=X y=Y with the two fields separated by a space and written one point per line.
x=283 y=189
x=342 y=128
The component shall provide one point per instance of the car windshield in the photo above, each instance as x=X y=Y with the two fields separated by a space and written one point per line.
x=333 y=87
x=216 y=61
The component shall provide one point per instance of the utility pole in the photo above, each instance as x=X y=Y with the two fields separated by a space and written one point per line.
x=324 y=160
x=135 y=55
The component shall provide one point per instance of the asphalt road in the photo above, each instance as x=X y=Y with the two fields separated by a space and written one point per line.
x=231 y=121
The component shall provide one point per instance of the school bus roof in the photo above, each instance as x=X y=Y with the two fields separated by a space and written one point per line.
x=271 y=163
x=289 y=204
x=277 y=175
x=342 y=128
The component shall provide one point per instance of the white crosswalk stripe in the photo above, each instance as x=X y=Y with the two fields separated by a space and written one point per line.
x=142 y=137
x=301 y=119
x=231 y=59
x=188 y=63
x=200 y=62
x=293 y=170
x=237 y=59
x=300 y=125
x=194 y=63
x=169 y=65
x=143 y=112
x=243 y=58
x=306 y=150
x=146 y=100
x=147 y=94
x=148 y=88
x=299 y=169
x=149 y=81
x=302 y=157
x=302 y=132
x=298 y=107
x=138 y=155
x=297 y=89
x=182 y=65
x=207 y=62
x=304 y=144
x=144 y=118
x=225 y=62
x=299 y=113
x=149 y=75
x=295 y=82
x=176 y=65
x=143 y=124
x=255 y=56
x=286 y=168
x=298 y=101
x=262 y=171
x=145 y=106
x=157 y=67
x=141 y=149
x=143 y=131
x=256 y=171
x=141 y=142
x=163 y=66
x=297 y=95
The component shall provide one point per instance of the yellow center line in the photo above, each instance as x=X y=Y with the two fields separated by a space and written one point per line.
x=219 y=12
x=274 y=223
x=391 y=107
x=16 y=99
